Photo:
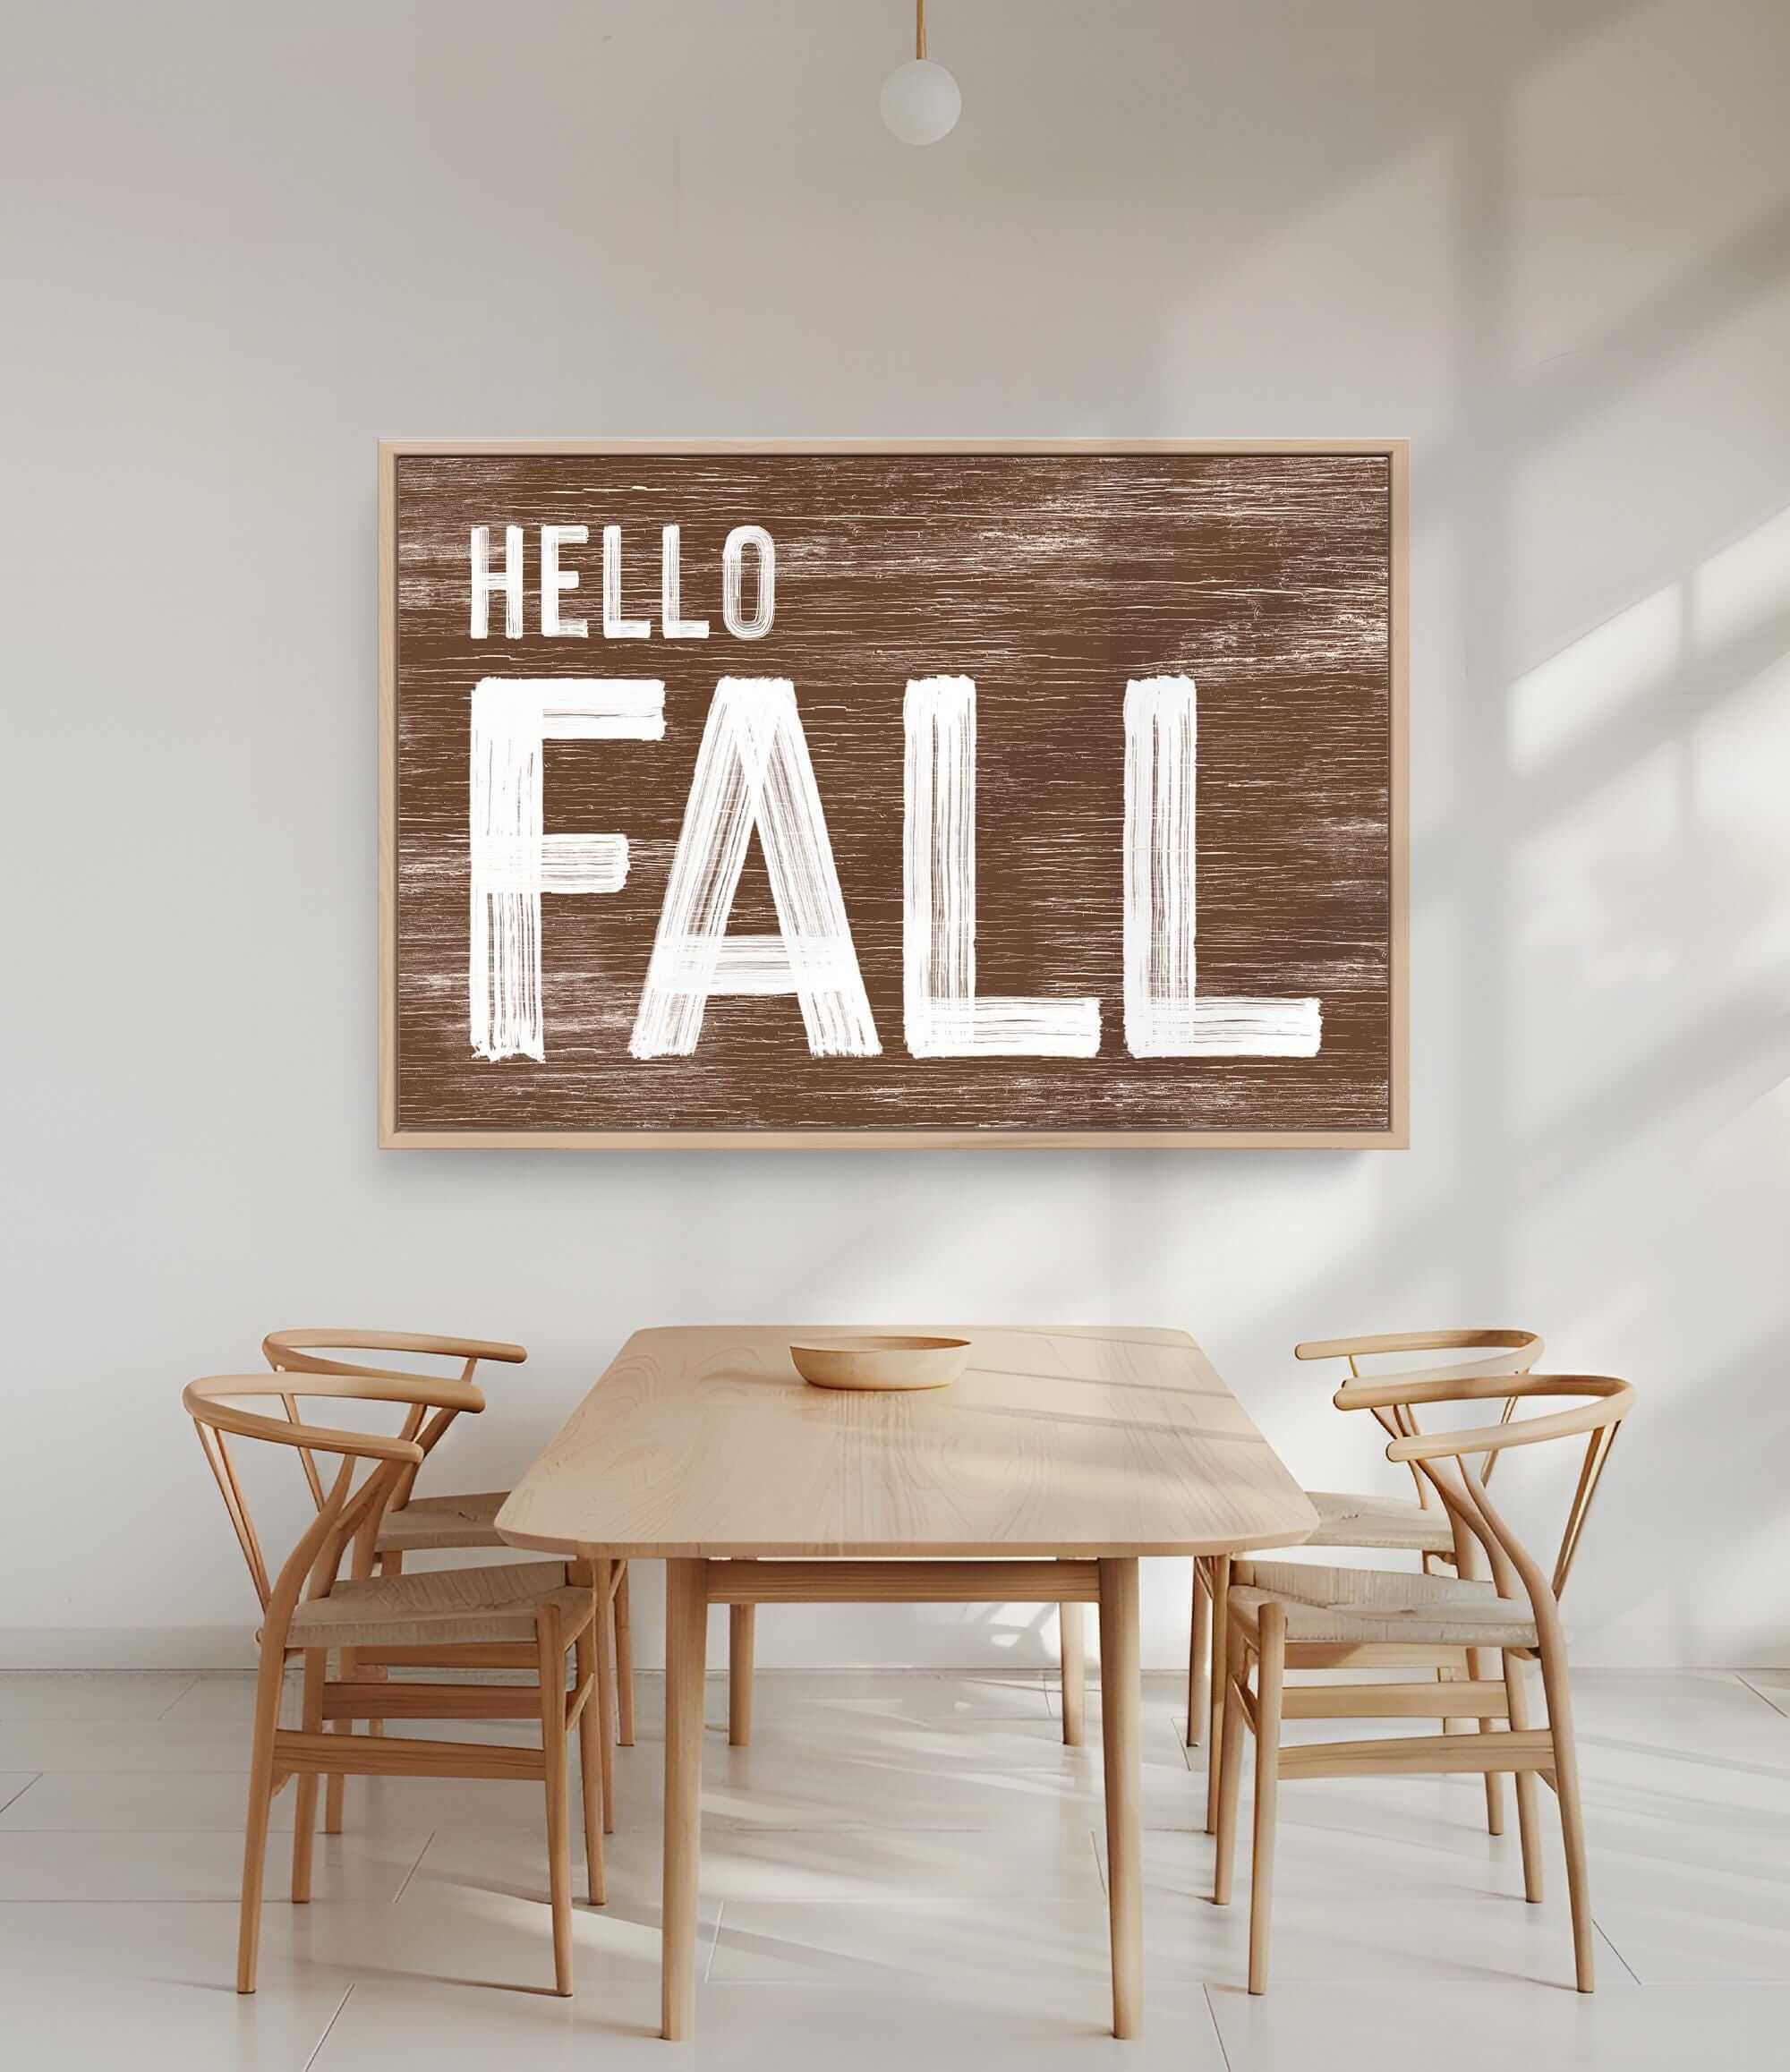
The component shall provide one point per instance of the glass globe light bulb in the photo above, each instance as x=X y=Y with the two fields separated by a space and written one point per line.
x=921 y=102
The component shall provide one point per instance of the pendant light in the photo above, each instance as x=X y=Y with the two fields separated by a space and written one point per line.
x=920 y=99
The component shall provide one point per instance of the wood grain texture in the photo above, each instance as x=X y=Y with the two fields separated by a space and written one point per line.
x=743 y=1584
x=1050 y=574
x=1084 y=1443
x=1119 y=1739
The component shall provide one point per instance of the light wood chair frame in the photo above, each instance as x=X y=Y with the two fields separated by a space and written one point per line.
x=343 y=1513
x=1509 y=1351
x=1509 y=1740
x=313 y=1350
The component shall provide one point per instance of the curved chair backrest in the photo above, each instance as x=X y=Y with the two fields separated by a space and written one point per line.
x=216 y=1405
x=1503 y=1350
x=316 y=1351
x=1447 y=1458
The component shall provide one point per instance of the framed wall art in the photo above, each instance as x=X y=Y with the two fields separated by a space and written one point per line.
x=949 y=792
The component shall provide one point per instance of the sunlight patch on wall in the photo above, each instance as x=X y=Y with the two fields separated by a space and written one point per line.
x=1739 y=590
x=1655 y=893
x=1587 y=686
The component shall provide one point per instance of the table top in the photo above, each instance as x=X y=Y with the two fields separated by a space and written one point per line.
x=1075 y=1442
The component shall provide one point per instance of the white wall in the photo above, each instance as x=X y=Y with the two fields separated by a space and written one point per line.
x=1547 y=239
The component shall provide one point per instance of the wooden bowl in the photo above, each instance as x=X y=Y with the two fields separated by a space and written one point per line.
x=880 y=1362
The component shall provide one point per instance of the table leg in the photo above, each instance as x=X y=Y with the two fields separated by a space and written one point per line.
x=741 y=1626
x=1125 y=1834
x=624 y=1662
x=1219 y=1571
x=1073 y=1634
x=602 y=1575
x=1199 y=1665
x=686 y=1633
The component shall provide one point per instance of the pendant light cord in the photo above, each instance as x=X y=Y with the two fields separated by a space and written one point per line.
x=919 y=28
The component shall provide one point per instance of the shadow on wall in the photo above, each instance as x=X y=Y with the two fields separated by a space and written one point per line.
x=1602 y=852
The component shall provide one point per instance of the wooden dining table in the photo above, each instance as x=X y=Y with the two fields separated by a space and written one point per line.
x=1057 y=1461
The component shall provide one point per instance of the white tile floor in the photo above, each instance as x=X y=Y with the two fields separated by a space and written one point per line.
x=905 y=1870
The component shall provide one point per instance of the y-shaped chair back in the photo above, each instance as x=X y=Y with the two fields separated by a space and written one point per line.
x=1446 y=1459
x=1501 y=1351
x=343 y=1510
x=314 y=1352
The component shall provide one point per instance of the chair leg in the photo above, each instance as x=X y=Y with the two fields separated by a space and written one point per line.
x=1220 y=1575
x=336 y=1785
x=1199 y=1659
x=367 y=1561
x=1528 y=1810
x=267 y=1689
x=1072 y=1648
x=742 y=1634
x=1479 y=1667
x=361 y=1672
x=1572 y=1815
x=591 y=1765
x=1230 y=1767
x=1270 y=1672
x=1494 y=1797
x=304 y=1811
x=550 y=1651
x=624 y=1661
x=603 y=1699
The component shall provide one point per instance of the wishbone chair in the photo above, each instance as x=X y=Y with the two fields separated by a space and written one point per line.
x=1284 y=1615
x=415 y=1524
x=436 y=1618
x=1386 y=1524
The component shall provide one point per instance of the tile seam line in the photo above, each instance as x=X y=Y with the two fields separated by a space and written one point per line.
x=328 y=2026
x=1771 y=1703
x=175 y=1700
x=1212 y=2016
x=13 y=1798
x=1610 y=1944
x=428 y=1843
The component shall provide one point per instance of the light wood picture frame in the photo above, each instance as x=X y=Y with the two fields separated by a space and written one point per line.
x=997 y=707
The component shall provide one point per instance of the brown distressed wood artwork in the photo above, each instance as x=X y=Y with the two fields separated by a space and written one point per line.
x=952 y=793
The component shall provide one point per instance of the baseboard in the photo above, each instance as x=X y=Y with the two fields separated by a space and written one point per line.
x=127 y=1648
x=949 y=1650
